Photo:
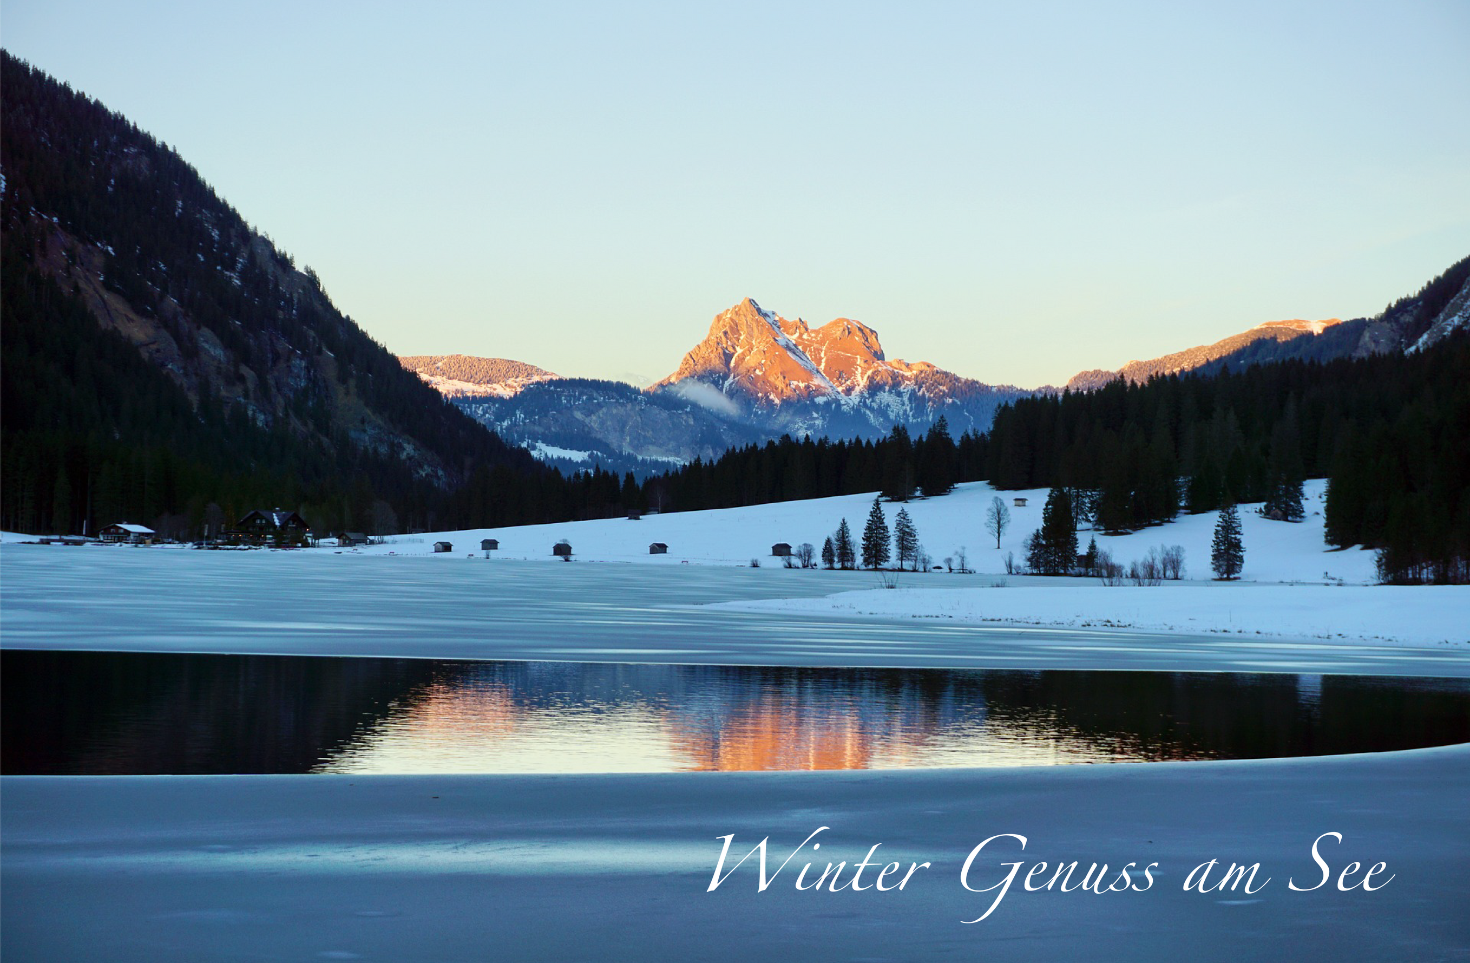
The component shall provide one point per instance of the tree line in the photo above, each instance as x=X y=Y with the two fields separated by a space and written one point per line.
x=1388 y=431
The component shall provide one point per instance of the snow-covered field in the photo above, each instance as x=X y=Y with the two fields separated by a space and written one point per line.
x=402 y=598
x=1275 y=551
x=449 y=606
x=1384 y=614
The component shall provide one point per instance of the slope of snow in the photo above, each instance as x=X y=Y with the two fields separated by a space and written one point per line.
x=542 y=450
x=1275 y=551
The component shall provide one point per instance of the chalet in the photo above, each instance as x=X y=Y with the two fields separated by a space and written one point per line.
x=442 y=547
x=781 y=550
x=275 y=526
x=658 y=548
x=489 y=544
x=126 y=532
x=1020 y=503
x=562 y=550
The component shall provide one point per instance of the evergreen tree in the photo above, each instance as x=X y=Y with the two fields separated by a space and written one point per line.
x=1227 y=554
x=846 y=552
x=1053 y=548
x=905 y=539
x=1285 y=503
x=875 y=538
x=898 y=465
x=937 y=459
x=829 y=554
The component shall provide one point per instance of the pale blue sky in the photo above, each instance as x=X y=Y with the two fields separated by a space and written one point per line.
x=1012 y=191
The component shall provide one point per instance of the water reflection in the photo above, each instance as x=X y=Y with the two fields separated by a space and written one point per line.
x=141 y=713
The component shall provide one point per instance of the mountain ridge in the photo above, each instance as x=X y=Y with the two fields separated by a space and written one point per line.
x=469 y=376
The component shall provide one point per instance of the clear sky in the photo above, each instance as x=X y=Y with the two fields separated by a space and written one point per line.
x=1012 y=191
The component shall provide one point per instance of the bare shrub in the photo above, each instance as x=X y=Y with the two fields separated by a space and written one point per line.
x=1148 y=570
x=755 y=563
x=806 y=553
x=1171 y=561
x=1109 y=571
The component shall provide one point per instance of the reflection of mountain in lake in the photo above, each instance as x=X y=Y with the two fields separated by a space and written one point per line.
x=595 y=717
x=92 y=712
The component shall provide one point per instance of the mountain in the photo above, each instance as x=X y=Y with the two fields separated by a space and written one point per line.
x=755 y=377
x=164 y=361
x=1407 y=325
x=1189 y=359
x=575 y=423
x=831 y=380
x=463 y=376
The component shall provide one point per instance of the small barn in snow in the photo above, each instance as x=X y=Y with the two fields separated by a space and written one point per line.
x=1020 y=503
x=562 y=549
x=658 y=548
x=443 y=546
x=781 y=550
x=489 y=544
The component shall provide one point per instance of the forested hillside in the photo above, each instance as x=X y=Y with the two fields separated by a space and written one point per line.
x=1389 y=431
x=162 y=361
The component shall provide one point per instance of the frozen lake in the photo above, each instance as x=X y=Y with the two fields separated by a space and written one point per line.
x=318 y=603
x=110 y=713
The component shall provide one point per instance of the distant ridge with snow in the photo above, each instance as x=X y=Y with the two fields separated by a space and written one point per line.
x=464 y=376
x=1189 y=359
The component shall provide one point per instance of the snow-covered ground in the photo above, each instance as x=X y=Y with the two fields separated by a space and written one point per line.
x=558 y=868
x=318 y=602
x=1384 y=614
x=402 y=598
x=1275 y=551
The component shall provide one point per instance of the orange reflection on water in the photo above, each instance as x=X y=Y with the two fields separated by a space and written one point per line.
x=478 y=724
x=776 y=734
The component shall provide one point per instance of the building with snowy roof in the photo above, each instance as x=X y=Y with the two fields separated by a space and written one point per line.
x=126 y=532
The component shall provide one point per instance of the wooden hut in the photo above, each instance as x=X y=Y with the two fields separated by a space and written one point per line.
x=489 y=544
x=781 y=550
x=562 y=549
x=126 y=532
x=658 y=548
x=1020 y=503
x=443 y=546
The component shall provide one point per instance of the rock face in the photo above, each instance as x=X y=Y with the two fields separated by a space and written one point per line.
x=834 y=379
